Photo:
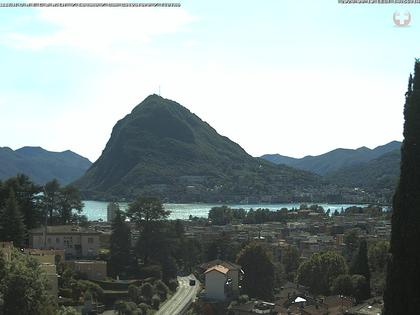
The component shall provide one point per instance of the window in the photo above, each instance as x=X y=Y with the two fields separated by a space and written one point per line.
x=90 y=240
x=57 y=240
x=49 y=240
x=68 y=241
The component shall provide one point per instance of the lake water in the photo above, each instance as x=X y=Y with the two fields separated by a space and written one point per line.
x=95 y=210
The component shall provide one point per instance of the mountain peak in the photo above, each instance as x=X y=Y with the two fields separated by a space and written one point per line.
x=163 y=149
x=29 y=150
x=42 y=165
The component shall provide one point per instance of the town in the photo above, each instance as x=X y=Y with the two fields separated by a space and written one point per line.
x=210 y=265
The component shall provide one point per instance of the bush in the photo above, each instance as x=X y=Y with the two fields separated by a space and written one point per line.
x=243 y=299
x=95 y=289
x=152 y=271
x=173 y=284
x=134 y=293
x=155 y=301
x=144 y=308
x=162 y=289
x=343 y=285
x=360 y=287
x=65 y=293
x=67 y=311
x=147 y=291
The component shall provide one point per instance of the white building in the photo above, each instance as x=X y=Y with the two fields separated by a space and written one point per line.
x=76 y=241
x=221 y=280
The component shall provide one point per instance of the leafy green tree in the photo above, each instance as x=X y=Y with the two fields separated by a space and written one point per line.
x=11 y=222
x=24 y=287
x=220 y=215
x=61 y=203
x=258 y=280
x=342 y=285
x=402 y=294
x=120 y=245
x=69 y=200
x=355 y=285
x=360 y=265
x=320 y=270
x=147 y=213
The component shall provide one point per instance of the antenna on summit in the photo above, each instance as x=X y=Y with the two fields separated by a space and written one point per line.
x=159 y=90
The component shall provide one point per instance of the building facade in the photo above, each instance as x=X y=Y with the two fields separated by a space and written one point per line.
x=77 y=242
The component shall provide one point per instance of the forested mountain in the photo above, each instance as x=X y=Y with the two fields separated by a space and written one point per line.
x=379 y=173
x=334 y=160
x=163 y=149
x=42 y=165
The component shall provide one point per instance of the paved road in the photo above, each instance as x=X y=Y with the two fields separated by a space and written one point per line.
x=183 y=296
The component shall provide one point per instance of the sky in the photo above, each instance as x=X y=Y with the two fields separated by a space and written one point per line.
x=280 y=76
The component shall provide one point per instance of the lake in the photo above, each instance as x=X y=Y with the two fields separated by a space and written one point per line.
x=95 y=210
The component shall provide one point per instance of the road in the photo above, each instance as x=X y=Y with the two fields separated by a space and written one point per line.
x=184 y=295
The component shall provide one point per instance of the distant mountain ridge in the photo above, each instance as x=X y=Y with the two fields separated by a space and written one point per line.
x=163 y=149
x=42 y=165
x=379 y=173
x=334 y=160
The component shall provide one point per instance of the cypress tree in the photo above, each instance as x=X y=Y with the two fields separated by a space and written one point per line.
x=11 y=221
x=360 y=266
x=402 y=294
x=120 y=245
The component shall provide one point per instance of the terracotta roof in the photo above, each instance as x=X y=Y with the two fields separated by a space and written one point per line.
x=226 y=264
x=218 y=268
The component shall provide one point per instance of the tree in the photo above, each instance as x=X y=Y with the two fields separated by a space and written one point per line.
x=361 y=288
x=120 y=245
x=11 y=222
x=378 y=256
x=146 y=290
x=68 y=201
x=360 y=265
x=351 y=240
x=402 y=293
x=147 y=213
x=169 y=268
x=220 y=215
x=355 y=285
x=27 y=198
x=258 y=270
x=24 y=287
x=342 y=285
x=51 y=198
x=290 y=259
x=320 y=270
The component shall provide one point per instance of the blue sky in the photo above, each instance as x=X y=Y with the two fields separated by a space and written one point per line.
x=284 y=76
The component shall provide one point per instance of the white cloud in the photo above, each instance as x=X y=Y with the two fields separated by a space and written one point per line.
x=101 y=31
